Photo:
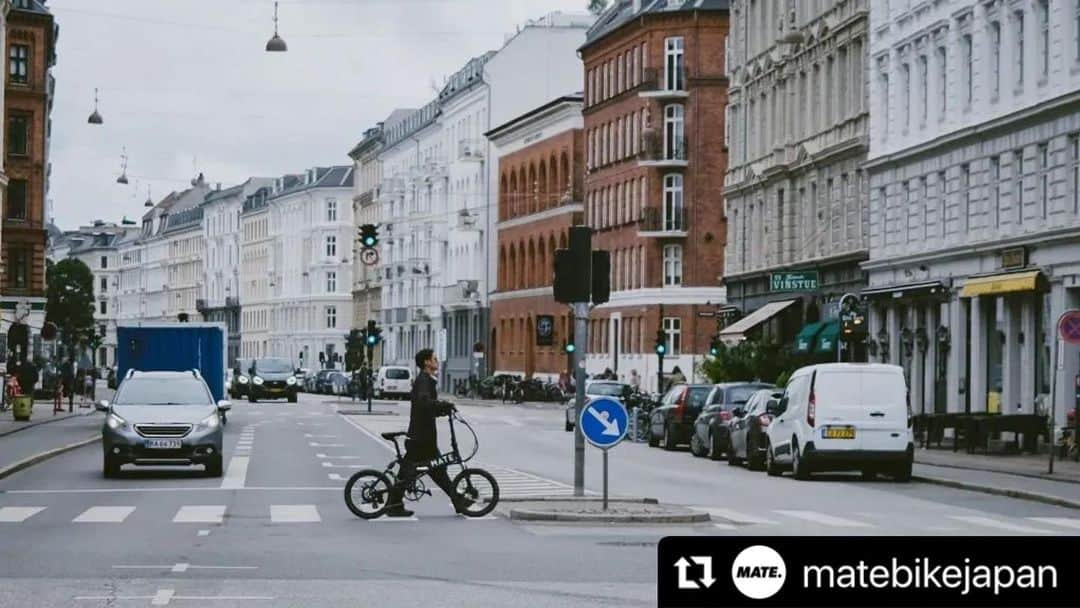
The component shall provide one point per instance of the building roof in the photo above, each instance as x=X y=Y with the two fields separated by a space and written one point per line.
x=622 y=12
x=30 y=6
x=518 y=120
x=340 y=176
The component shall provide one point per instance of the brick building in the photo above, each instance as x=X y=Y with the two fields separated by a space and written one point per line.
x=28 y=99
x=655 y=95
x=541 y=165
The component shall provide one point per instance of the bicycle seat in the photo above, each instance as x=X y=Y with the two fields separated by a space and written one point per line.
x=393 y=435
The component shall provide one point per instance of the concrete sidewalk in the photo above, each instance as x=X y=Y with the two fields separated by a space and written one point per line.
x=43 y=441
x=42 y=414
x=1017 y=475
x=1024 y=465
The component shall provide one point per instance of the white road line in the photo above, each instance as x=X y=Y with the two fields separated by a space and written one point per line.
x=163 y=597
x=511 y=421
x=14 y=515
x=178 y=568
x=180 y=489
x=325 y=445
x=202 y=514
x=333 y=457
x=294 y=514
x=335 y=477
x=824 y=519
x=734 y=516
x=204 y=532
x=237 y=473
x=379 y=440
x=1065 y=522
x=484 y=518
x=1000 y=525
x=386 y=519
x=104 y=515
x=310 y=436
x=330 y=465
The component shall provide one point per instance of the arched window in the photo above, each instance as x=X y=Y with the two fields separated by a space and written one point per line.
x=553 y=182
x=531 y=189
x=542 y=185
x=502 y=268
x=511 y=270
x=530 y=266
x=543 y=273
x=567 y=185
x=505 y=196
x=521 y=266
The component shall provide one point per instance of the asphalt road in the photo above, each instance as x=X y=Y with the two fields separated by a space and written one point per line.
x=274 y=531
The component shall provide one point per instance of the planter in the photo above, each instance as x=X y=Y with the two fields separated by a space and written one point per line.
x=22 y=406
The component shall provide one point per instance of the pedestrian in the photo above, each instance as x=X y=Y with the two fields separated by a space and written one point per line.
x=67 y=382
x=422 y=444
x=677 y=377
x=28 y=377
x=635 y=380
x=87 y=385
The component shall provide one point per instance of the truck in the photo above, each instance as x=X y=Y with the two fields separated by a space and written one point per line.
x=175 y=347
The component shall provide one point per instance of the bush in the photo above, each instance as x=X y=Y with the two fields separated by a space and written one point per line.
x=750 y=361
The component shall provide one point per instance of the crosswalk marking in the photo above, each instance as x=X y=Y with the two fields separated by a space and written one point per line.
x=294 y=514
x=1000 y=525
x=824 y=519
x=104 y=515
x=1064 y=522
x=734 y=516
x=203 y=514
x=14 y=515
x=237 y=473
x=335 y=477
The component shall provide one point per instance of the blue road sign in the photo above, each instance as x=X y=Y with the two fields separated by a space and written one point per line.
x=603 y=422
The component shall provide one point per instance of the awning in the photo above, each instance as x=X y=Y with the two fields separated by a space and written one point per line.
x=1013 y=282
x=924 y=288
x=804 y=342
x=826 y=340
x=737 y=330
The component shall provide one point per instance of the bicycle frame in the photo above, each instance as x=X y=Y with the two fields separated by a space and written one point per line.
x=453 y=457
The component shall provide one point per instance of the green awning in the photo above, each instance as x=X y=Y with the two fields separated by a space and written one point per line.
x=826 y=340
x=804 y=342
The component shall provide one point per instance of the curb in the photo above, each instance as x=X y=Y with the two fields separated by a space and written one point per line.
x=36 y=458
x=1021 y=494
x=45 y=421
x=547 y=498
x=636 y=518
x=1042 y=476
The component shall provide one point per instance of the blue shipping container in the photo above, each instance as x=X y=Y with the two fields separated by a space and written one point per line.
x=174 y=347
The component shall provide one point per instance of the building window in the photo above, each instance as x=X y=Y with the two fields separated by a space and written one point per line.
x=103 y=307
x=779 y=225
x=1076 y=28
x=331 y=282
x=993 y=196
x=673 y=202
x=905 y=94
x=672 y=265
x=19 y=63
x=16 y=199
x=942 y=82
x=104 y=282
x=995 y=59
x=1018 y=188
x=331 y=246
x=104 y=262
x=1044 y=36
x=331 y=317
x=673 y=331
x=923 y=87
x=19 y=135
x=102 y=330
x=18 y=268
x=1044 y=179
x=674 y=78
x=1018 y=52
x=967 y=49
x=965 y=181
x=331 y=210
x=943 y=194
x=885 y=105
x=674 y=142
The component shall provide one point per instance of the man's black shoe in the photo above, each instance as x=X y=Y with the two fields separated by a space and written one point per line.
x=399 y=511
x=463 y=504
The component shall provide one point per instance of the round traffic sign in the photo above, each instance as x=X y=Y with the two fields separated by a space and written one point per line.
x=369 y=257
x=604 y=422
x=1069 y=326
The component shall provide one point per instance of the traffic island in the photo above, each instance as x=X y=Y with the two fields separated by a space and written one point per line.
x=591 y=510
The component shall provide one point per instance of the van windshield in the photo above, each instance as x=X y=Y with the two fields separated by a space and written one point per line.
x=397 y=374
x=860 y=388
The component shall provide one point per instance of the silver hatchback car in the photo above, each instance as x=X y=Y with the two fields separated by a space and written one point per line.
x=162 y=418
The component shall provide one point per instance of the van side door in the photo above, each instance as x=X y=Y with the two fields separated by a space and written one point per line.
x=782 y=427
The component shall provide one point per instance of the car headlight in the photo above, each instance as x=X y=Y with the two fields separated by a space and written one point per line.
x=210 y=422
x=242 y=379
x=115 y=422
x=290 y=380
x=257 y=380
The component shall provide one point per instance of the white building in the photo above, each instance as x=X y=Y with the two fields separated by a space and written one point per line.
x=309 y=305
x=256 y=265
x=974 y=172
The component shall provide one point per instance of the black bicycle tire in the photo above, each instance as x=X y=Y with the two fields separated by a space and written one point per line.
x=348 y=493
x=490 y=506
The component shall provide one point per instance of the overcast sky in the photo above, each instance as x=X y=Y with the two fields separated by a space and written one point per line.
x=186 y=86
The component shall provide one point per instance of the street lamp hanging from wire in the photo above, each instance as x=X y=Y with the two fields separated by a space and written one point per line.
x=123 y=168
x=95 y=117
x=149 y=201
x=276 y=44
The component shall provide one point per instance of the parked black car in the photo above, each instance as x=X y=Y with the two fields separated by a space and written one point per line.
x=747 y=429
x=711 y=436
x=672 y=423
x=324 y=382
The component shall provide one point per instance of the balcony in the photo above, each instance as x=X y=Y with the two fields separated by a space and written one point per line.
x=656 y=86
x=654 y=223
x=658 y=153
x=200 y=305
x=232 y=302
x=461 y=294
x=471 y=149
x=419 y=315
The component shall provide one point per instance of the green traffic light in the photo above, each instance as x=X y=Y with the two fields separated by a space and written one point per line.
x=369 y=241
x=661 y=349
x=570 y=348
x=371 y=340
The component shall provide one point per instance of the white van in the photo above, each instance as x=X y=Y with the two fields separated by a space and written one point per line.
x=393 y=381
x=843 y=417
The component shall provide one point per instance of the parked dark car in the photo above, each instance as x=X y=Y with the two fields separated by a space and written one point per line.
x=324 y=384
x=272 y=378
x=672 y=423
x=711 y=433
x=619 y=391
x=747 y=429
x=241 y=378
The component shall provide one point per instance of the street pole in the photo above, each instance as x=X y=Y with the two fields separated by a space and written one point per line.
x=581 y=333
x=370 y=378
x=1058 y=364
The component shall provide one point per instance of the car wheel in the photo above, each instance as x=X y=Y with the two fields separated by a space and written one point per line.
x=715 y=453
x=753 y=456
x=732 y=459
x=772 y=468
x=110 y=467
x=799 y=468
x=869 y=474
x=292 y=398
x=213 y=466
x=653 y=442
x=569 y=427
x=695 y=446
x=902 y=473
x=251 y=398
x=669 y=439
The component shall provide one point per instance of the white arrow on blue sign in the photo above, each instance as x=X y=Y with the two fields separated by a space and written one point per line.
x=604 y=422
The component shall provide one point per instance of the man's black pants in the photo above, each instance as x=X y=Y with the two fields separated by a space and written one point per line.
x=408 y=472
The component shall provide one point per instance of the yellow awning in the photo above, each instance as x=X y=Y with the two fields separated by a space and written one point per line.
x=1002 y=283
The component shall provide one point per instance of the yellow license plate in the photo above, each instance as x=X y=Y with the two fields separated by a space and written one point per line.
x=839 y=432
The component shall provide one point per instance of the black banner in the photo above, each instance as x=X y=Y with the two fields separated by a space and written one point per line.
x=922 y=572
x=545 y=330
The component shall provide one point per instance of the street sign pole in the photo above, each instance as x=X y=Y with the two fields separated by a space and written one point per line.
x=1068 y=330
x=604 y=425
x=370 y=377
x=581 y=334
x=605 y=480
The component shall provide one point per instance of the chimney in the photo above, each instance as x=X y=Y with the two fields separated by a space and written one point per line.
x=218 y=186
x=637 y=7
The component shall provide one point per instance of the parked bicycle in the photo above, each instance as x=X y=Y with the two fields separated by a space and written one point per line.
x=367 y=492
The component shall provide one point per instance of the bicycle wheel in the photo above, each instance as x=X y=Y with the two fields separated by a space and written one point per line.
x=367 y=493
x=478 y=486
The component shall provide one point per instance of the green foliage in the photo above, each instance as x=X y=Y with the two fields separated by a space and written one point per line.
x=70 y=301
x=748 y=361
x=597 y=6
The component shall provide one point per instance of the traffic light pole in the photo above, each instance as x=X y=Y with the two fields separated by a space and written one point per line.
x=370 y=378
x=581 y=335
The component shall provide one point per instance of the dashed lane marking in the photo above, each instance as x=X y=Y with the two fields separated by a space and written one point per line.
x=202 y=514
x=14 y=515
x=104 y=515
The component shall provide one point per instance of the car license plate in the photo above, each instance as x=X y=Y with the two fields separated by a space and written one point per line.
x=164 y=444
x=839 y=432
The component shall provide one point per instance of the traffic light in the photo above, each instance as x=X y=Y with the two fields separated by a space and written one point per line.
x=601 y=276
x=373 y=335
x=661 y=342
x=572 y=267
x=369 y=236
x=569 y=348
x=714 y=346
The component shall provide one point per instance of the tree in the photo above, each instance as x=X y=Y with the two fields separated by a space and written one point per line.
x=597 y=6
x=70 y=301
x=748 y=361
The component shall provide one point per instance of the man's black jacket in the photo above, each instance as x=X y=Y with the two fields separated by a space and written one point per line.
x=426 y=407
